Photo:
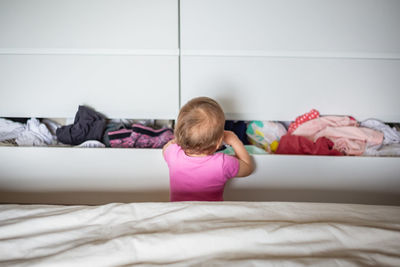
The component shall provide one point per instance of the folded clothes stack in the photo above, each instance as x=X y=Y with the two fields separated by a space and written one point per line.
x=89 y=129
x=308 y=134
x=313 y=134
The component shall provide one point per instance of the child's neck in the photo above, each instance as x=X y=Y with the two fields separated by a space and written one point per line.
x=194 y=154
x=197 y=155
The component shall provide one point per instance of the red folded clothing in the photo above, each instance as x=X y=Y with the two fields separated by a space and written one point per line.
x=294 y=144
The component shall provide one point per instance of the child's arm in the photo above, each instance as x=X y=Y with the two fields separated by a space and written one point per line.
x=246 y=166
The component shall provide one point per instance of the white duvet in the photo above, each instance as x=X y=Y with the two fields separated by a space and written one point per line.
x=193 y=233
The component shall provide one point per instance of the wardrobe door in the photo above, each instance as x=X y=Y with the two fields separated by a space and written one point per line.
x=276 y=59
x=120 y=57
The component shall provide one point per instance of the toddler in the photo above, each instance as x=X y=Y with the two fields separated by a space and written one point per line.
x=196 y=172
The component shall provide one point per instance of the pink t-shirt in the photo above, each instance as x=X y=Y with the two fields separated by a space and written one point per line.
x=198 y=178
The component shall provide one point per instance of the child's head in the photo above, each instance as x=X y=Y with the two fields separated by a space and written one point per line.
x=200 y=126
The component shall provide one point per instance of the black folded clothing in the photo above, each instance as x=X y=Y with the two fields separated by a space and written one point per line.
x=88 y=125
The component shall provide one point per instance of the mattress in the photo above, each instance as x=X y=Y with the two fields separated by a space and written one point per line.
x=200 y=233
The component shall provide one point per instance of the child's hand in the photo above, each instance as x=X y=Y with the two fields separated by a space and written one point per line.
x=230 y=138
x=246 y=163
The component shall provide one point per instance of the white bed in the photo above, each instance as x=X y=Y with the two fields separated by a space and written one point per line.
x=195 y=233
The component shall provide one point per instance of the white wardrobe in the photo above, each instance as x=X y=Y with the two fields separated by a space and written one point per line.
x=143 y=59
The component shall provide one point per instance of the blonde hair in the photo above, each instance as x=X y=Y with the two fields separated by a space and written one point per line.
x=200 y=126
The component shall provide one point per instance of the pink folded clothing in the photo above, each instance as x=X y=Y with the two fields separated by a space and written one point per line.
x=349 y=147
x=302 y=119
x=140 y=136
x=293 y=144
x=351 y=140
x=343 y=132
x=310 y=128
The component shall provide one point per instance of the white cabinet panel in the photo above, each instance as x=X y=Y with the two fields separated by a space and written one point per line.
x=276 y=59
x=117 y=86
x=89 y=24
x=120 y=57
x=267 y=88
x=320 y=179
x=103 y=175
x=46 y=169
x=329 y=27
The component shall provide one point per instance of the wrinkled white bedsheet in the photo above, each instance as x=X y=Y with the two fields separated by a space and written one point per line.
x=193 y=233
